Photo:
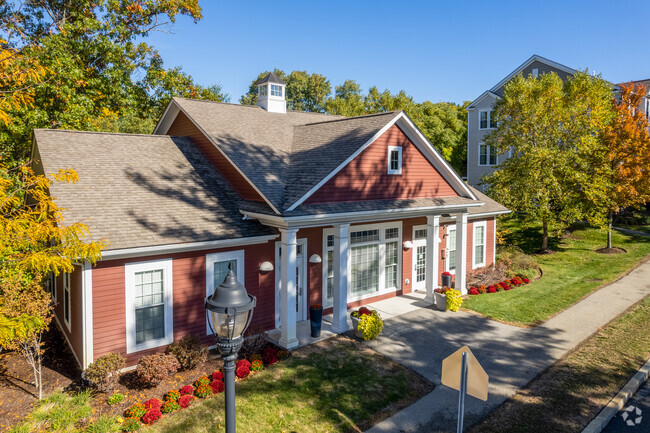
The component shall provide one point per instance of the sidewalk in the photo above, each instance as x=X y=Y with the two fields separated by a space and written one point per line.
x=511 y=356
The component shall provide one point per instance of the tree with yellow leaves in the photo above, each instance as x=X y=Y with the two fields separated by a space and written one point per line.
x=34 y=240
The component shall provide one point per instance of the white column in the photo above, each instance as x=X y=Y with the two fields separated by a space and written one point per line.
x=341 y=254
x=431 y=280
x=288 y=338
x=461 y=252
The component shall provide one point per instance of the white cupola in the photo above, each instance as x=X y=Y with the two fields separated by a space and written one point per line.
x=271 y=94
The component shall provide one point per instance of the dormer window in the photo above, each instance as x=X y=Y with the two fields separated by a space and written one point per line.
x=394 y=159
x=276 y=90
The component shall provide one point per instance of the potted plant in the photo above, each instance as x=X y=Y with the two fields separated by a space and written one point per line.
x=367 y=323
x=440 y=297
x=315 y=319
x=446 y=279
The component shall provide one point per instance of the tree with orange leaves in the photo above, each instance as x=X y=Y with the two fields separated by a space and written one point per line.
x=627 y=144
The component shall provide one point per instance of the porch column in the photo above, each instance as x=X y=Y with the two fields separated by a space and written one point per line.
x=341 y=247
x=288 y=338
x=461 y=252
x=431 y=276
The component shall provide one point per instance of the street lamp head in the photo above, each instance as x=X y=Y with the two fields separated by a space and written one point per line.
x=230 y=307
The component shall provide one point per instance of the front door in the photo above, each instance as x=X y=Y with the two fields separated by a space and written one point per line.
x=419 y=257
x=301 y=282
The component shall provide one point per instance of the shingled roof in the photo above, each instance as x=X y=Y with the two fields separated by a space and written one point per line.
x=142 y=190
x=271 y=78
x=284 y=155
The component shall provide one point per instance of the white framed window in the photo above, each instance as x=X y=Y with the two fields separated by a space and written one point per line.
x=276 y=90
x=374 y=265
x=451 y=248
x=487 y=119
x=149 y=309
x=262 y=91
x=216 y=269
x=487 y=155
x=67 y=302
x=478 y=241
x=394 y=159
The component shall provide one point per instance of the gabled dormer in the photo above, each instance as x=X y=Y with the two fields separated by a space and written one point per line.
x=271 y=94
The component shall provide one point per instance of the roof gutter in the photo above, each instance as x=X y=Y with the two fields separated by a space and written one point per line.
x=126 y=253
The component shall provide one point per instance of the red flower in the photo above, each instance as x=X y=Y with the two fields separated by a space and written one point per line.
x=217 y=386
x=507 y=287
x=243 y=363
x=492 y=289
x=446 y=274
x=503 y=284
x=362 y=310
x=242 y=372
x=185 y=400
x=151 y=416
x=218 y=375
x=271 y=355
x=153 y=403
x=473 y=291
x=187 y=390
x=526 y=280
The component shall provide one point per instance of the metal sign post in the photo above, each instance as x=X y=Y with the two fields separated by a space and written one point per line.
x=461 y=394
x=461 y=371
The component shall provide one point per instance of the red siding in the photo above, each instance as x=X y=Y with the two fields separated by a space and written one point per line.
x=182 y=126
x=75 y=335
x=366 y=178
x=188 y=269
x=314 y=271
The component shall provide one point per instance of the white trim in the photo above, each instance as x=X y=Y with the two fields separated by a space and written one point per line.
x=487 y=158
x=130 y=269
x=353 y=217
x=127 y=253
x=211 y=259
x=494 y=241
x=87 y=313
x=343 y=164
x=56 y=318
x=397 y=149
x=278 y=281
x=495 y=213
x=476 y=225
x=472 y=106
x=488 y=119
x=421 y=286
x=324 y=265
x=450 y=228
x=168 y=117
x=209 y=137
x=533 y=58
x=381 y=283
x=66 y=288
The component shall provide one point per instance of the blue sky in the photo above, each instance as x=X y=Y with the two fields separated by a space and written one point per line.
x=437 y=51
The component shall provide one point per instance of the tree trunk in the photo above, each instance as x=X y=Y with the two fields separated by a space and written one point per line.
x=610 y=219
x=544 y=235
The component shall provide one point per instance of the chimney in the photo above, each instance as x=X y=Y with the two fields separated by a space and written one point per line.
x=271 y=93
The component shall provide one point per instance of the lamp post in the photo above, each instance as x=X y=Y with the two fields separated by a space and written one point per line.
x=231 y=311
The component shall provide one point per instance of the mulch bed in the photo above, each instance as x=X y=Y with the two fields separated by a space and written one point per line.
x=613 y=250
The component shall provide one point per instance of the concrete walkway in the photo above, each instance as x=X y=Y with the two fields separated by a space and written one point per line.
x=511 y=356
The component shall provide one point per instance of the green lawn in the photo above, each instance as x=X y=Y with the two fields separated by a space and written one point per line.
x=334 y=388
x=573 y=391
x=566 y=273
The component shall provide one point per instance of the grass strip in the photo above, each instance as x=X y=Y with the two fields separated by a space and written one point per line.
x=568 y=395
x=572 y=272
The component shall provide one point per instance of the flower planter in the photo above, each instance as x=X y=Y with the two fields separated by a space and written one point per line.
x=355 y=327
x=315 y=320
x=446 y=280
x=441 y=301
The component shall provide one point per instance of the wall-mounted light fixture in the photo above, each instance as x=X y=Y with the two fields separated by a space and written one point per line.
x=315 y=258
x=266 y=267
x=408 y=245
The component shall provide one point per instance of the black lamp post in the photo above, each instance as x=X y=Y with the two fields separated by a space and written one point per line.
x=231 y=311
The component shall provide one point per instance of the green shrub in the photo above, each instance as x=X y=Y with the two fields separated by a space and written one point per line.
x=115 y=398
x=203 y=380
x=203 y=391
x=371 y=325
x=105 y=371
x=153 y=369
x=515 y=261
x=454 y=299
x=131 y=424
x=136 y=411
x=170 y=406
x=172 y=395
x=257 y=365
x=189 y=352
x=105 y=424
